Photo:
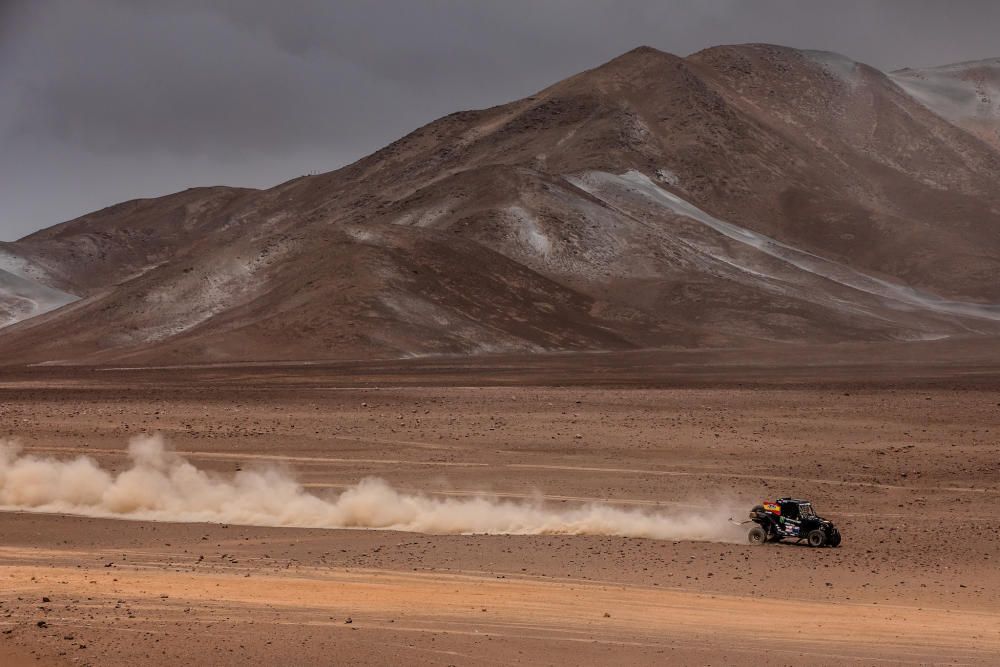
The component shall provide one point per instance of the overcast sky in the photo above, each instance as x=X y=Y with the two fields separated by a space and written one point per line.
x=107 y=100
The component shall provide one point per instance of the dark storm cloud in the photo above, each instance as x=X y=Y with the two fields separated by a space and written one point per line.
x=103 y=100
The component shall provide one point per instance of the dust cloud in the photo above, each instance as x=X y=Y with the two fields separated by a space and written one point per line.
x=160 y=485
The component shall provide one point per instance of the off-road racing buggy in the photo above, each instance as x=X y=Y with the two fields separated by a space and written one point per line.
x=794 y=519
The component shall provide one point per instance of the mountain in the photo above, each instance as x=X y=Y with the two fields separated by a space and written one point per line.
x=967 y=94
x=742 y=194
x=23 y=292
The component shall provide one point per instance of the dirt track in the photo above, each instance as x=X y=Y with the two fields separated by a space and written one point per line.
x=909 y=473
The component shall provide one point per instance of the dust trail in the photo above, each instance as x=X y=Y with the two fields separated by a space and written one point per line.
x=160 y=485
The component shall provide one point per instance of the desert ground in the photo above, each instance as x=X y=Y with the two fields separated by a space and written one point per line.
x=903 y=457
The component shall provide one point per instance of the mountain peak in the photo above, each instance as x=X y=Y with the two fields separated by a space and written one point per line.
x=638 y=59
x=644 y=51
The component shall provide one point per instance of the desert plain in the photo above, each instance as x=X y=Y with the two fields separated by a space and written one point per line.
x=901 y=455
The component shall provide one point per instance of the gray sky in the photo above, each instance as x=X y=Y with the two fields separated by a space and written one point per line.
x=107 y=100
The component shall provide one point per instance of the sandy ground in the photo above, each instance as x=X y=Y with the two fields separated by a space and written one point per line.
x=910 y=472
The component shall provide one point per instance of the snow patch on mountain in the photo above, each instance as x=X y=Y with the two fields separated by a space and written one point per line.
x=188 y=300
x=19 y=266
x=529 y=230
x=956 y=92
x=22 y=297
x=895 y=295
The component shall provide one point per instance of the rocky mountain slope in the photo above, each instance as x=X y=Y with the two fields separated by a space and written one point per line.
x=24 y=292
x=742 y=194
x=967 y=94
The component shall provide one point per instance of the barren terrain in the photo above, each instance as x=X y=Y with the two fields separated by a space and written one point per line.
x=908 y=469
x=491 y=394
x=743 y=195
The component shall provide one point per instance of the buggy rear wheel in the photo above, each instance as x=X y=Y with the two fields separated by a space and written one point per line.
x=757 y=536
x=817 y=538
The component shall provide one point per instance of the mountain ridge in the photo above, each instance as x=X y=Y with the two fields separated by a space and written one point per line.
x=519 y=228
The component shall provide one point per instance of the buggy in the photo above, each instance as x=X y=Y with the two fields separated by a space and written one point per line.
x=794 y=519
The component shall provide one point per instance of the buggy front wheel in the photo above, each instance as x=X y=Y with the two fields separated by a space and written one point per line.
x=817 y=538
